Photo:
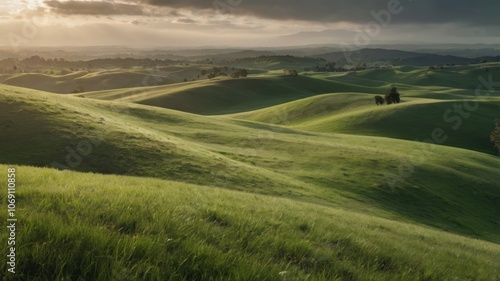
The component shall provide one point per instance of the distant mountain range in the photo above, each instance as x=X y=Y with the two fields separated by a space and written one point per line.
x=300 y=45
x=396 y=57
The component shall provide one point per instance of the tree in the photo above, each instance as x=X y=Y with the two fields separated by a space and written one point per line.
x=291 y=72
x=495 y=135
x=330 y=66
x=216 y=72
x=393 y=96
x=242 y=72
x=431 y=68
x=379 y=100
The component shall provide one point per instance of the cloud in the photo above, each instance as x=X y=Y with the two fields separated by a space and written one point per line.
x=96 y=8
x=200 y=21
x=136 y=22
x=186 y=21
x=355 y=11
x=482 y=12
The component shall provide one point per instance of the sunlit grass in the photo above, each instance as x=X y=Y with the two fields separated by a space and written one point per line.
x=85 y=226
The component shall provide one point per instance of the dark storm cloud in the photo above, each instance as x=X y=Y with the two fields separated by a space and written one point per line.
x=94 y=8
x=481 y=12
x=356 y=11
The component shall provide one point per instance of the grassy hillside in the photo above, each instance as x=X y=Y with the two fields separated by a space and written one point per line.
x=271 y=62
x=94 y=227
x=457 y=77
x=269 y=177
x=225 y=96
x=414 y=119
x=103 y=79
x=364 y=174
x=222 y=96
x=111 y=138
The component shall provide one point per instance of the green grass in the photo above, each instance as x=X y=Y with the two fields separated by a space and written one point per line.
x=104 y=79
x=222 y=95
x=306 y=179
x=278 y=63
x=94 y=227
x=459 y=77
x=225 y=96
x=334 y=170
x=414 y=119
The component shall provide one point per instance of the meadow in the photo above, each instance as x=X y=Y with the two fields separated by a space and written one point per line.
x=269 y=177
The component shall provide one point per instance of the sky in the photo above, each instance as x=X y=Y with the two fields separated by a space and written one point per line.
x=242 y=23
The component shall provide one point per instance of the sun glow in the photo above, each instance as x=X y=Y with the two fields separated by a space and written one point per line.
x=17 y=6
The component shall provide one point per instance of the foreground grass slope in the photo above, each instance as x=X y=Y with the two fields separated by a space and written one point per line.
x=364 y=174
x=92 y=227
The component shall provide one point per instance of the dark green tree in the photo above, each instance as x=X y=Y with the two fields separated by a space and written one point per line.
x=330 y=66
x=393 y=96
x=242 y=72
x=495 y=135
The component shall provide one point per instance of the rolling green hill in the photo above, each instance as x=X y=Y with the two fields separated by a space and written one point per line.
x=272 y=62
x=94 y=227
x=265 y=178
x=103 y=79
x=414 y=119
x=365 y=173
x=223 y=96
x=456 y=77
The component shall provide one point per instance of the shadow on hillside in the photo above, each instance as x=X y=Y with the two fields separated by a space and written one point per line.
x=456 y=208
